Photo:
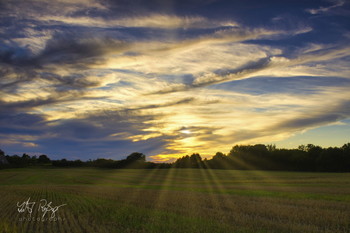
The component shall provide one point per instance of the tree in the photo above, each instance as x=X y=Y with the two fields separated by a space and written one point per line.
x=26 y=158
x=219 y=156
x=3 y=159
x=15 y=160
x=346 y=147
x=34 y=159
x=314 y=151
x=195 y=161
x=219 y=160
x=183 y=162
x=136 y=156
x=43 y=159
x=271 y=147
x=302 y=148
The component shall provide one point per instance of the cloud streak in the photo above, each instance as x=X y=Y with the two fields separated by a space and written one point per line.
x=322 y=10
x=161 y=21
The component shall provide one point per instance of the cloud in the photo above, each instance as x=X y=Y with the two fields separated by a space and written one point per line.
x=212 y=78
x=90 y=13
x=163 y=105
x=161 y=21
x=20 y=120
x=321 y=10
x=285 y=128
x=36 y=102
x=19 y=141
x=32 y=8
x=115 y=128
x=267 y=65
x=103 y=127
x=63 y=49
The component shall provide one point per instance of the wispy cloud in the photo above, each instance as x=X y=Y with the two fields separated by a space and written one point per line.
x=161 y=21
x=321 y=10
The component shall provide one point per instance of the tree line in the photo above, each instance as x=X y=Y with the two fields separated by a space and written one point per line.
x=134 y=160
x=243 y=157
x=261 y=157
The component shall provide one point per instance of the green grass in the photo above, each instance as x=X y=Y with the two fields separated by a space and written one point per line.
x=177 y=200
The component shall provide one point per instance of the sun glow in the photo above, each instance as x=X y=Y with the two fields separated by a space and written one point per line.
x=185 y=131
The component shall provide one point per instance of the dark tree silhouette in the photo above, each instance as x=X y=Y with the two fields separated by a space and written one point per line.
x=26 y=158
x=195 y=161
x=44 y=159
x=3 y=160
x=136 y=156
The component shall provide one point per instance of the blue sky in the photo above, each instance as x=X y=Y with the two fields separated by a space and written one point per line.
x=86 y=79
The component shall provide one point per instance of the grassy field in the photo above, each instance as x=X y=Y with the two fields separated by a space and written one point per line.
x=174 y=200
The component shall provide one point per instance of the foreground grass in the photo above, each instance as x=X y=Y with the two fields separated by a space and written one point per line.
x=177 y=200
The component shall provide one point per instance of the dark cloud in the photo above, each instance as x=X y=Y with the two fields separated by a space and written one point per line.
x=14 y=55
x=12 y=123
x=330 y=115
x=77 y=129
x=9 y=119
x=67 y=48
x=20 y=66
x=59 y=148
x=103 y=133
x=311 y=121
x=12 y=77
x=169 y=104
x=69 y=82
x=57 y=97
x=300 y=122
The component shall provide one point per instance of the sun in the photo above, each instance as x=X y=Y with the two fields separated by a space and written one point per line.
x=185 y=131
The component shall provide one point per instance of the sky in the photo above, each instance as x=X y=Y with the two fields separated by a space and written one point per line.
x=87 y=79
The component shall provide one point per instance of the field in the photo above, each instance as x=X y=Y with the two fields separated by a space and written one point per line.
x=173 y=200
